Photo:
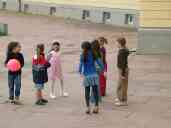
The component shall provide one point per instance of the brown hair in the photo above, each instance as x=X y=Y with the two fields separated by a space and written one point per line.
x=40 y=49
x=103 y=39
x=122 y=41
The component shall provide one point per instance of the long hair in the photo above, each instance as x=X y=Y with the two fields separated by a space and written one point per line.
x=95 y=45
x=11 y=47
x=86 y=46
x=40 y=49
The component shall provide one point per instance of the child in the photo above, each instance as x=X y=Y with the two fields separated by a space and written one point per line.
x=122 y=64
x=95 y=45
x=103 y=74
x=90 y=77
x=14 y=78
x=40 y=77
x=55 y=71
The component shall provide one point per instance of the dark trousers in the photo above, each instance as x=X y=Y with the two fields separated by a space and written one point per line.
x=14 y=83
x=95 y=93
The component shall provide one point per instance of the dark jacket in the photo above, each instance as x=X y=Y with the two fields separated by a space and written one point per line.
x=39 y=70
x=17 y=56
x=122 y=60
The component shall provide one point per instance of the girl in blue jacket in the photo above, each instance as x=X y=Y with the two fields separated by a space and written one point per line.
x=88 y=70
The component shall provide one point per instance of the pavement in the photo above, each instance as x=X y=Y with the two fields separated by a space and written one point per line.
x=149 y=82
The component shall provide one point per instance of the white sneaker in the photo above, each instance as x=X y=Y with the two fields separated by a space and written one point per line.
x=116 y=100
x=52 y=96
x=64 y=94
x=121 y=104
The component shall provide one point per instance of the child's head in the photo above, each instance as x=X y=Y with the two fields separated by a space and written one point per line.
x=14 y=47
x=102 y=41
x=121 y=42
x=86 y=46
x=56 y=46
x=40 y=49
x=95 y=45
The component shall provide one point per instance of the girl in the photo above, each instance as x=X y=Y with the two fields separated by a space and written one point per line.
x=122 y=64
x=95 y=45
x=14 y=78
x=103 y=74
x=40 y=77
x=90 y=77
x=55 y=71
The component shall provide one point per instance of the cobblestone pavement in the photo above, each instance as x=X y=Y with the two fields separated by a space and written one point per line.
x=149 y=84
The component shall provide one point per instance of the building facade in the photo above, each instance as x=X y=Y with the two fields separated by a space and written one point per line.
x=152 y=18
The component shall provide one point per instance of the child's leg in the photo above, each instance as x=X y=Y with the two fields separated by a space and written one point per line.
x=39 y=94
x=52 y=88
x=125 y=87
x=62 y=86
x=96 y=95
x=87 y=96
x=119 y=87
x=17 y=82
x=11 y=86
x=62 y=92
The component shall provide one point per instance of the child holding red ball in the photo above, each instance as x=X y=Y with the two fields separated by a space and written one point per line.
x=14 y=76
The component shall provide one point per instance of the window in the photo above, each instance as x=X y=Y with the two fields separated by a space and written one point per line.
x=52 y=10
x=129 y=19
x=26 y=8
x=4 y=5
x=86 y=14
x=106 y=17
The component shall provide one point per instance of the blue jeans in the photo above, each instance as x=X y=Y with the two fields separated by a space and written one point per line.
x=14 y=83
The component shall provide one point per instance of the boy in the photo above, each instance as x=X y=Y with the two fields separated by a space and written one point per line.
x=123 y=71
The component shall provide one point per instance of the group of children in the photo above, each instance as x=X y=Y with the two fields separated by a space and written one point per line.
x=92 y=68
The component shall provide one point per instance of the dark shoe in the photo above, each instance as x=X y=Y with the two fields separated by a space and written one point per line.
x=44 y=100
x=88 y=111
x=39 y=102
x=96 y=110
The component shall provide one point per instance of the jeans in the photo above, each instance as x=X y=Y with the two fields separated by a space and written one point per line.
x=95 y=93
x=14 y=83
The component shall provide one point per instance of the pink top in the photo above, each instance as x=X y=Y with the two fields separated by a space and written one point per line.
x=55 y=71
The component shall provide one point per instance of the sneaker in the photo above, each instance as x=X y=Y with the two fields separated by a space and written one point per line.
x=40 y=103
x=52 y=96
x=44 y=100
x=88 y=111
x=64 y=94
x=17 y=102
x=121 y=104
x=96 y=110
x=117 y=100
x=9 y=101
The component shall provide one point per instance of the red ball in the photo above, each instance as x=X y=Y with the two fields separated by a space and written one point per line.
x=13 y=65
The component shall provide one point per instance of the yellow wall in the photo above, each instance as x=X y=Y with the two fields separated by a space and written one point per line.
x=123 y=4
x=155 y=13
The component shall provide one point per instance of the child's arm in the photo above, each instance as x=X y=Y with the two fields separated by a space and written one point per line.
x=22 y=61
x=6 y=60
x=81 y=65
x=49 y=57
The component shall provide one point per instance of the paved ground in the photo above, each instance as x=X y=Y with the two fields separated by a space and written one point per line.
x=149 y=86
